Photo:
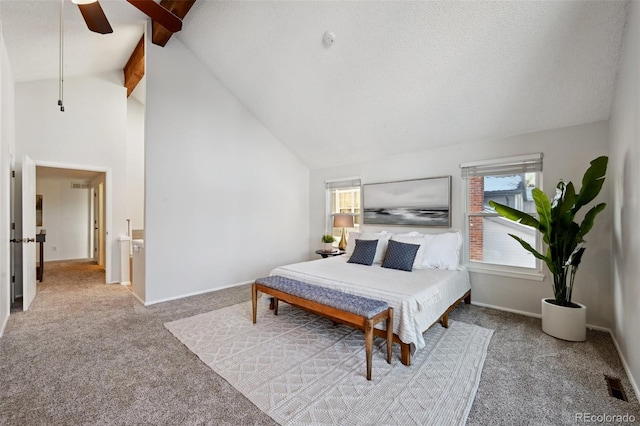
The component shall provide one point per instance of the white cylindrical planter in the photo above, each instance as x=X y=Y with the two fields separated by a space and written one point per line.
x=563 y=322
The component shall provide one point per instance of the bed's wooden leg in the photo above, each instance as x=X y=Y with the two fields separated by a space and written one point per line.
x=254 y=300
x=275 y=306
x=368 y=338
x=405 y=354
x=389 y=334
x=467 y=298
x=444 y=320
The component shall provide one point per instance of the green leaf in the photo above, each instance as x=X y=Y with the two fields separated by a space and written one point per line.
x=543 y=207
x=576 y=258
x=592 y=182
x=568 y=200
x=533 y=251
x=515 y=215
x=587 y=222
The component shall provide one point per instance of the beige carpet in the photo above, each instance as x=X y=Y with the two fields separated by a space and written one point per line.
x=300 y=369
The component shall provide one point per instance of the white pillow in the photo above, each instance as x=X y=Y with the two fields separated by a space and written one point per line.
x=418 y=240
x=410 y=234
x=383 y=241
x=351 y=241
x=442 y=251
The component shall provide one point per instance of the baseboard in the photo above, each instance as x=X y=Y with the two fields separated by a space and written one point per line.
x=169 y=299
x=502 y=308
x=4 y=324
x=634 y=384
x=531 y=314
x=138 y=299
x=125 y=283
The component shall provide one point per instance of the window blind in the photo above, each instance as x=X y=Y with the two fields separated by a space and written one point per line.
x=505 y=166
x=346 y=183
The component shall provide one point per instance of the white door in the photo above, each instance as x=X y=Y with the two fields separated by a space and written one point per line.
x=28 y=232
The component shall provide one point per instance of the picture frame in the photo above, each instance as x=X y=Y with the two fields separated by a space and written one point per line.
x=416 y=202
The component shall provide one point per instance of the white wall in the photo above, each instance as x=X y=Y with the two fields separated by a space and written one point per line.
x=92 y=133
x=624 y=172
x=7 y=149
x=135 y=162
x=567 y=153
x=66 y=218
x=225 y=200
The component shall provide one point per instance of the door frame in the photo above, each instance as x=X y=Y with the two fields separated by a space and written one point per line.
x=108 y=239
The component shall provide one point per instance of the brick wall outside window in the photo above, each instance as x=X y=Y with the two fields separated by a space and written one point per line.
x=476 y=201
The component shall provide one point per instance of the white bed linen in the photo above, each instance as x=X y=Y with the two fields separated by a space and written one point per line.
x=418 y=298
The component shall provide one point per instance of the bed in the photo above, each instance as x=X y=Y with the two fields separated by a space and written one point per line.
x=419 y=298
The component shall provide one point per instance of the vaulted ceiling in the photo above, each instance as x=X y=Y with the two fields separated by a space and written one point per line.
x=398 y=78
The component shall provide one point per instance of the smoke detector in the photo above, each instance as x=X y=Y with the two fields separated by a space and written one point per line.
x=328 y=38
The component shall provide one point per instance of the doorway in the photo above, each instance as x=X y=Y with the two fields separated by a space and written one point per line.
x=72 y=213
x=66 y=221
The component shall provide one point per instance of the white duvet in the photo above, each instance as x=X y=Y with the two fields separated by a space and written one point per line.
x=418 y=297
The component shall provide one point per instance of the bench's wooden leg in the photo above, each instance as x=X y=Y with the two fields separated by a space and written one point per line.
x=271 y=303
x=389 y=334
x=254 y=301
x=368 y=338
x=275 y=306
x=405 y=354
x=467 y=298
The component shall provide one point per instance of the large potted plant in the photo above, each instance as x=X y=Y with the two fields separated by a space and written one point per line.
x=564 y=239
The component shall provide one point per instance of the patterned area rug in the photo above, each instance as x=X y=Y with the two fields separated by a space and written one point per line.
x=300 y=369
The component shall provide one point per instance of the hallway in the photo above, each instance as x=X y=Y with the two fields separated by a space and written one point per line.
x=63 y=277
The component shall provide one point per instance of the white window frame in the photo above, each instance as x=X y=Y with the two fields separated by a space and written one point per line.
x=498 y=166
x=343 y=183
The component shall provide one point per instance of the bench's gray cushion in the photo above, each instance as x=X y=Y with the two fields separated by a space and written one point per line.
x=352 y=303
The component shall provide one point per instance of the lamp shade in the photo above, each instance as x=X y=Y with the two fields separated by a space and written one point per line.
x=342 y=220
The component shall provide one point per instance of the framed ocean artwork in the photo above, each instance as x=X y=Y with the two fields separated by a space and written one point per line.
x=417 y=202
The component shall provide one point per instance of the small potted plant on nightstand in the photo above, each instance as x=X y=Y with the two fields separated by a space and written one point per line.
x=328 y=241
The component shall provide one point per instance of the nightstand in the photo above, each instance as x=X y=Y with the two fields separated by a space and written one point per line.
x=326 y=254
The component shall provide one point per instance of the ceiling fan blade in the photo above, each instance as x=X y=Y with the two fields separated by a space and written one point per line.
x=95 y=18
x=159 y=14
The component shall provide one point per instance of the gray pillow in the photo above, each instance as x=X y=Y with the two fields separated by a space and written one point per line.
x=400 y=255
x=364 y=252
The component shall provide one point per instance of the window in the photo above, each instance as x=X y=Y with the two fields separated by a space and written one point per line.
x=343 y=196
x=507 y=181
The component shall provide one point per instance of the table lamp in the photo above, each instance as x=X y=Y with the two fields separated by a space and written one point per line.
x=342 y=220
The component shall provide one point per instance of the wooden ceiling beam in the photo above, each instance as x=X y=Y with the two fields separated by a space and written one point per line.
x=180 y=8
x=134 y=70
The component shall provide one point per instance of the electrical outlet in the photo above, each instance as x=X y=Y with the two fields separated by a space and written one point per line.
x=54 y=248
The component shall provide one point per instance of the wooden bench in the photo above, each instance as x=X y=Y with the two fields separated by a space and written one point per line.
x=356 y=311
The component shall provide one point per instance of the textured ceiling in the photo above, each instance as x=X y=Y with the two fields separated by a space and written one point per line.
x=400 y=77
x=406 y=76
